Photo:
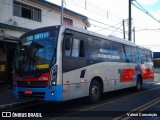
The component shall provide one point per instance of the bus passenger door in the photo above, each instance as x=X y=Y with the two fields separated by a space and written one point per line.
x=74 y=66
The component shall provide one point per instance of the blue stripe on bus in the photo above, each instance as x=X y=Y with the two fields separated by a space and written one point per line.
x=57 y=92
x=15 y=91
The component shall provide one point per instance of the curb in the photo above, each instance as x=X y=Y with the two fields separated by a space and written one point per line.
x=11 y=105
x=157 y=77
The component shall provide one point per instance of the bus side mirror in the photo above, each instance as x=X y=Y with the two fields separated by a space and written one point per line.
x=67 y=43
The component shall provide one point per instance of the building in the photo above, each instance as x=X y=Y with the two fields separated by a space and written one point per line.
x=20 y=16
x=156 y=61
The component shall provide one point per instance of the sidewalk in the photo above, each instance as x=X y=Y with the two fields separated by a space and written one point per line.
x=157 y=77
x=7 y=100
x=157 y=70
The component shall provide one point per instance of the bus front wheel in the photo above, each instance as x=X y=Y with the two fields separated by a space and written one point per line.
x=94 y=92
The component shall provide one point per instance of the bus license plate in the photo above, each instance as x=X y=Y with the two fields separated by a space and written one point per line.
x=28 y=91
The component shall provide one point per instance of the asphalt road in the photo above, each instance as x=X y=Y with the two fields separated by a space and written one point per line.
x=123 y=104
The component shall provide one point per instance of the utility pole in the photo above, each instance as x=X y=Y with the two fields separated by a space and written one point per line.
x=85 y=4
x=62 y=12
x=124 y=35
x=129 y=22
x=134 y=34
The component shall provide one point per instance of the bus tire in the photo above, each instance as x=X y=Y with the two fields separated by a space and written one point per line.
x=138 y=86
x=94 y=92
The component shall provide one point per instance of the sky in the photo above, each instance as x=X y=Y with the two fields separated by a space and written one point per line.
x=106 y=18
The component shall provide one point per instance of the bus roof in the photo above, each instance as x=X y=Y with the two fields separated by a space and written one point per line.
x=112 y=38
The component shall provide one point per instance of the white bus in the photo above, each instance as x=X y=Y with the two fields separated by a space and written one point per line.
x=60 y=63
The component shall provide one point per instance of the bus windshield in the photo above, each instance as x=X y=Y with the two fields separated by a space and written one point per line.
x=36 y=51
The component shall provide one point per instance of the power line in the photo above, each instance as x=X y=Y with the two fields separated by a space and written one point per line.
x=91 y=10
x=154 y=30
x=140 y=7
x=107 y=27
x=104 y=23
x=104 y=28
x=116 y=29
x=96 y=10
x=99 y=8
x=150 y=45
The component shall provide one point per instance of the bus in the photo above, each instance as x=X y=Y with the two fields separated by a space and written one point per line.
x=59 y=63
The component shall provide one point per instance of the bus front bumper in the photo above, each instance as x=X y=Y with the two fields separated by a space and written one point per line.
x=53 y=93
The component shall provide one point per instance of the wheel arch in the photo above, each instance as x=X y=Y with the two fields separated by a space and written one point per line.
x=140 y=76
x=99 y=80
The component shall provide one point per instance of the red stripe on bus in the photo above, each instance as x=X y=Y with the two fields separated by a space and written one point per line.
x=128 y=75
x=43 y=77
x=147 y=74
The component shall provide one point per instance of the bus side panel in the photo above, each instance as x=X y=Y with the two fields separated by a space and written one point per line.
x=128 y=75
x=103 y=71
x=147 y=66
x=74 y=85
x=111 y=74
x=147 y=72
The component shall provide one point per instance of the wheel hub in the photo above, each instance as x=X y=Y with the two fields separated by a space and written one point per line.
x=95 y=91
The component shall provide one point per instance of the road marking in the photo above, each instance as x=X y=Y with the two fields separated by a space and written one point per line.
x=55 y=118
x=104 y=104
x=117 y=99
x=150 y=105
x=11 y=109
x=139 y=109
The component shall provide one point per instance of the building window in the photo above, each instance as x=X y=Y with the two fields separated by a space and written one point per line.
x=68 y=22
x=26 y=11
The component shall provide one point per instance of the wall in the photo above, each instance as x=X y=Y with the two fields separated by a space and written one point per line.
x=50 y=16
x=3 y=56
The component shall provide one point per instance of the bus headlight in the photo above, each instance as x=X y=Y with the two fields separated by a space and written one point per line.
x=53 y=78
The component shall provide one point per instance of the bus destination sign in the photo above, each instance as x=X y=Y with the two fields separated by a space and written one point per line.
x=38 y=36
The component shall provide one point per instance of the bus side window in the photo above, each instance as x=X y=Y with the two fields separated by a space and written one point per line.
x=77 y=48
x=68 y=51
x=82 y=50
x=128 y=52
x=145 y=56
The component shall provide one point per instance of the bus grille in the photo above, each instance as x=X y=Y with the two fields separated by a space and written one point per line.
x=39 y=95
x=31 y=84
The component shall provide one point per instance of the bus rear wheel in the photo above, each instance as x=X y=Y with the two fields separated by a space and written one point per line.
x=94 y=92
x=138 y=86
